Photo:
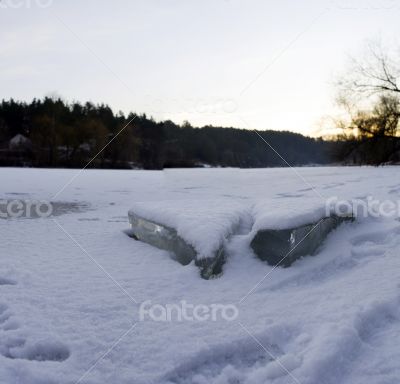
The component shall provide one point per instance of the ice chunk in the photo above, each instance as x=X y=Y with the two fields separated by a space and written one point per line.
x=167 y=238
x=190 y=230
x=204 y=224
x=162 y=237
x=284 y=246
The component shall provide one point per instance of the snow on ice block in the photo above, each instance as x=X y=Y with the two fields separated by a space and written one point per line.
x=295 y=232
x=189 y=230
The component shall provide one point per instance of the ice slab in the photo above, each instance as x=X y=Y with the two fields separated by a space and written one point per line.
x=199 y=230
x=189 y=230
x=167 y=238
x=162 y=237
x=284 y=246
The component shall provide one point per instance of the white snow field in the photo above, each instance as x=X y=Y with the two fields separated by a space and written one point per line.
x=71 y=285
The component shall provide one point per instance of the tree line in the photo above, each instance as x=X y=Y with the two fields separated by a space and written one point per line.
x=62 y=134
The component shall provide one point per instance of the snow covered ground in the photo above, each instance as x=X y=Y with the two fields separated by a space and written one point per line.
x=71 y=285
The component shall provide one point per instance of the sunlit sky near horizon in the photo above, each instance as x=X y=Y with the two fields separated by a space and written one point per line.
x=250 y=64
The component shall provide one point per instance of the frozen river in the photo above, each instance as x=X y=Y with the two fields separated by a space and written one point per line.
x=73 y=285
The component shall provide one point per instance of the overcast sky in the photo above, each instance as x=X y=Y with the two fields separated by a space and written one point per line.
x=266 y=64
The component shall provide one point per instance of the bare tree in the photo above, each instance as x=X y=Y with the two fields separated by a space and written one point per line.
x=370 y=95
x=376 y=73
x=381 y=121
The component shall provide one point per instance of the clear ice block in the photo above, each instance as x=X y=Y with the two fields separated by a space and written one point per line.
x=167 y=238
x=284 y=246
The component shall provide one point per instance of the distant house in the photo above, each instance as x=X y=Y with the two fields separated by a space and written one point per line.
x=19 y=142
x=16 y=152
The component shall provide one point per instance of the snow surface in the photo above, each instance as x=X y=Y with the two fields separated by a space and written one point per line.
x=68 y=287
